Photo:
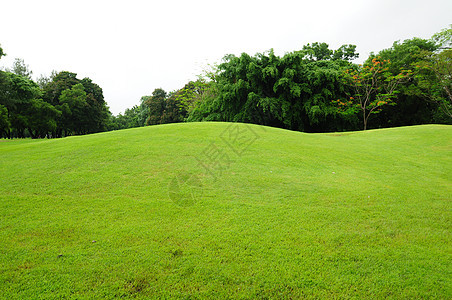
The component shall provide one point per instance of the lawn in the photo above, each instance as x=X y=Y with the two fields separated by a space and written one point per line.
x=223 y=210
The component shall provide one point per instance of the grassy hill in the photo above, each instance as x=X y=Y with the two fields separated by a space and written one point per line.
x=226 y=210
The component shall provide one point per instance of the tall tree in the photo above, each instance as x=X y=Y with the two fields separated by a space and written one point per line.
x=5 y=125
x=62 y=81
x=411 y=106
x=20 y=68
x=435 y=72
x=16 y=94
x=443 y=38
x=96 y=108
x=44 y=80
x=373 y=88
x=292 y=91
x=73 y=107
x=156 y=105
x=41 y=118
x=90 y=117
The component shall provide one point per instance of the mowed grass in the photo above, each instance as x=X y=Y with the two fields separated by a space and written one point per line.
x=221 y=210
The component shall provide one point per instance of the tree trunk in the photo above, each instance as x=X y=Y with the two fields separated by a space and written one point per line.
x=364 y=119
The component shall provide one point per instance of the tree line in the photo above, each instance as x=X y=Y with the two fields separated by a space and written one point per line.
x=315 y=89
x=55 y=106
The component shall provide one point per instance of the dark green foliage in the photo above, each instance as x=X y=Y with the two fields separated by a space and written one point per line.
x=293 y=91
x=42 y=118
x=4 y=122
x=81 y=103
x=133 y=117
x=16 y=95
x=300 y=90
x=62 y=81
x=413 y=106
x=164 y=108
x=297 y=91
x=96 y=108
x=156 y=105
x=172 y=112
x=72 y=104
x=195 y=93
x=62 y=105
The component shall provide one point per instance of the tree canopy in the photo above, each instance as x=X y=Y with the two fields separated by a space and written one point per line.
x=314 y=89
x=63 y=105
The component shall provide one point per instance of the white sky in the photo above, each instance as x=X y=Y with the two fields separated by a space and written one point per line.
x=132 y=47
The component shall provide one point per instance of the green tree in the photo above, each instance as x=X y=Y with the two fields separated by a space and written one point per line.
x=173 y=111
x=5 y=125
x=317 y=51
x=320 y=51
x=443 y=38
x=73 y=104
x=435 y=72
x=345 y=52
x=373 y=88
x=133 y=117
x=411 y=107
x=61 y=81
x=435 y=79
x=292 y=91
x=44 y=80
x=16 y=94
x=42 y=118
x=194 y=93
x=20 y=68
x=156 y=105
x=92 y=116
x=96 y=109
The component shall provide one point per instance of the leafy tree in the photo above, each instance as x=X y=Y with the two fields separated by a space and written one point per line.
x=443 y=38
x=43 y=80
x=194 y=93
x=411 y=107
x=75 y=118
x=132 y=117
x=96 y=108
x=317 y=51
x=435 y=72
x=156 y=105
x=373 y=88
x=16 y=94
x=42 y=118
x=163 y=108
x=20 y=68
x=321 y=51
x=173 y=111
x=345 y=52
x=61 y=81
x=5 y=125
x=73 y=102
x=61 y=103
x=292 y=91
x=142 y=112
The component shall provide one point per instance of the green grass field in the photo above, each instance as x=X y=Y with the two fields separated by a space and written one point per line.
x=221 y=210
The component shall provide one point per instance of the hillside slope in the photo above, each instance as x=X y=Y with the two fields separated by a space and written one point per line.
x=227 y=210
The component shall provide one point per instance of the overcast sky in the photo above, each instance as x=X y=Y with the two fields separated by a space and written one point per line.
x=131 y=47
